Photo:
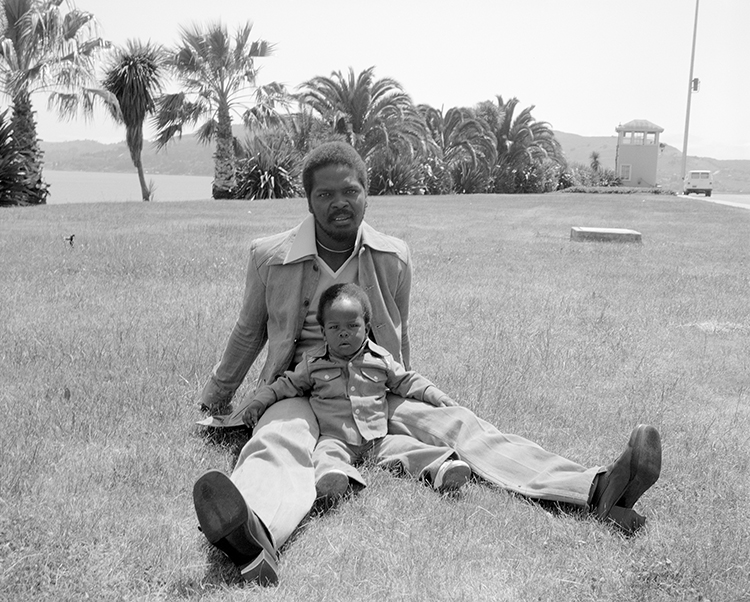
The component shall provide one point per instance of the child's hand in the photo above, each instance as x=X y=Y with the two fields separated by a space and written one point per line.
x=445 y=401
x=252 y=413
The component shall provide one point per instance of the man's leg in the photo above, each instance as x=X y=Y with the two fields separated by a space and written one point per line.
x=509 y=461
x=271 y=490
x=275 y=472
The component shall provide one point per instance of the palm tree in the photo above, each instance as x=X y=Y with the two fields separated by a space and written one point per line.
x=217 y=72
x=595 y=163
x=467 y=147
x=522 y=142
x=135 y=78
x=45 y=48
x=374 y=116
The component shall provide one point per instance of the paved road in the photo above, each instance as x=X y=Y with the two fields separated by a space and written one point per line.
x=733 y=200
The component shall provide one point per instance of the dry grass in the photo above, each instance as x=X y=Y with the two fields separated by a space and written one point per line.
x=105 y=346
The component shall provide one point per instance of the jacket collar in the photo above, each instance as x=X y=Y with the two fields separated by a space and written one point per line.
x=299 y=244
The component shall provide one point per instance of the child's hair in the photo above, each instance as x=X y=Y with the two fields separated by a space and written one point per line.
x=332 y=153
x=344 y=291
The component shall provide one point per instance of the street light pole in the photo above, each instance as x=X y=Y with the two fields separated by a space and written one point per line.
x=690 y=95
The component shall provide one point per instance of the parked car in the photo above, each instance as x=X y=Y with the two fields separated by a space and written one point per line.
x=699 y=181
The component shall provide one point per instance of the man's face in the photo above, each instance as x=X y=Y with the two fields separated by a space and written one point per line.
x=337 y=201
x=344 y=327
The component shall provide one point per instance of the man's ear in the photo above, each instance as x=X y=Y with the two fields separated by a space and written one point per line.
x=309 y=205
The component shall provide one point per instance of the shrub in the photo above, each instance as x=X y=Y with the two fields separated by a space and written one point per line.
x=535 y=177
x=395 y=173
x=608 y=177
x=268 y=167
x=468 y=179
x=437 y=178
x=618 y=190
x=577 y=174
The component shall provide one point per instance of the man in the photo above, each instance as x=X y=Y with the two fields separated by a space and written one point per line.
x=250 y=515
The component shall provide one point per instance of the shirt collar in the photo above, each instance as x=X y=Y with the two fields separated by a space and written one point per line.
x=368 y=346
x=304 y=245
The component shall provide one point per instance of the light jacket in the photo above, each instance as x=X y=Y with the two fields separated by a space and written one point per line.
x=276 y=301
x=349 y=396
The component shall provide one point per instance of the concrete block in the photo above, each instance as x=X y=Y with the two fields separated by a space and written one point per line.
x=580 y=234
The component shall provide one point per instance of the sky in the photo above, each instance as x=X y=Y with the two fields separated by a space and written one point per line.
x=585 y=65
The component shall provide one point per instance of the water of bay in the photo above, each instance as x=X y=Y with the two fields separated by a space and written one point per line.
x=97 y=187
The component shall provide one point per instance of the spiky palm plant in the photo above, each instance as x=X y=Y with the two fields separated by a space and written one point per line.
x=135 y=77
x=268 y=167
x=371 y=114
x=46 y=46
x=217 y=74
x=16 y=187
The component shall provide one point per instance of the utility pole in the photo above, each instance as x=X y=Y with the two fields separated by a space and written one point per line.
x=692 y=84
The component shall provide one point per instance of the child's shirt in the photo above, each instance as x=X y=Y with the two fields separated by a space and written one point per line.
x=349 y=396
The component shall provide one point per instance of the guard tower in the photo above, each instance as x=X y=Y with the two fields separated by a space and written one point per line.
x=637 y=152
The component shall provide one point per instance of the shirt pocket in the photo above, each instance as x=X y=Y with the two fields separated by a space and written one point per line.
x=373 y=382
x=327 y=377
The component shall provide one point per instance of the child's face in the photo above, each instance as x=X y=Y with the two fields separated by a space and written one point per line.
x=344 y=327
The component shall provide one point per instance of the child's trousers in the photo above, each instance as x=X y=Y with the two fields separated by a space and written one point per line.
x=401 y=452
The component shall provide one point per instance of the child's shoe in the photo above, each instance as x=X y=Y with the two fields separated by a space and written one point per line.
x=451 y=476
x=332 y=486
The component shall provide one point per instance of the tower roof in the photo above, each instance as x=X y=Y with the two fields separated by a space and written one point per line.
x=639 y=125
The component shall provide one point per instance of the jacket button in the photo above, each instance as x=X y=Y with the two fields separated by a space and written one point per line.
x=306 y=302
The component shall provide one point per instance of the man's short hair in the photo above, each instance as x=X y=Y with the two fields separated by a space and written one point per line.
x=332 y=153
x=344 y=291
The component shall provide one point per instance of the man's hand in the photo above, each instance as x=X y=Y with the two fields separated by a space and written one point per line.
x=252 y=413
x=445 y=401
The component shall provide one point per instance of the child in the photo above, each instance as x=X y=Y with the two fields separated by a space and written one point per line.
x=347 y=380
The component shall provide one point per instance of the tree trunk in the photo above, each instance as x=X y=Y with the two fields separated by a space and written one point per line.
x=224 y=175
x=24 y=133
x=145 y=192
x=134 y=140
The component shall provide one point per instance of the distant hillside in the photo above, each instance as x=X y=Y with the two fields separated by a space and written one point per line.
x=188 y=157
x=183 y=157
x=729 y=175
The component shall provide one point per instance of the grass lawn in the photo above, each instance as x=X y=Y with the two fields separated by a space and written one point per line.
x=105 y=346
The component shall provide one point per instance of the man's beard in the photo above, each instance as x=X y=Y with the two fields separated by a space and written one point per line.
x=334 y=234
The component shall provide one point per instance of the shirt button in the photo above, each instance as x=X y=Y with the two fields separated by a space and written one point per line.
x=353 y=389
x=326 y=377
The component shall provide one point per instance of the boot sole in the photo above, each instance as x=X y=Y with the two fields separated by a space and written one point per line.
x=647 y=460
x=224 y=519
x=633 y=472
